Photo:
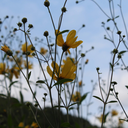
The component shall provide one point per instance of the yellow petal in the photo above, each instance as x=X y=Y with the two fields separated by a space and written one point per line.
x=72 y=41
x=50 y=73
x=76 y=44
x=70 y=36
x=60 y=40
x=56 y=70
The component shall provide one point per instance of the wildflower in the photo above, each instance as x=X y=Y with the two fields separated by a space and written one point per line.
x=76 y=97
x=67 y=72
x=27 y=126
x=28 y=49
x=2 y=68
x=34 y=125
x=6 y=50
x=21 y=124
x=114 y=112
x=43 y=51
x=70 y=41
x=100 y=118
x=80 y=83
x=30 y=65
x=13 y=72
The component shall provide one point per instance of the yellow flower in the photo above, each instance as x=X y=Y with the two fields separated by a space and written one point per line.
x=100 y=118
x=67 y=72
x=120 y=121
x=76 y=97
x=70 y=41
x=21 y=124
x=80 y=83
x=34 y=125
x=2 y=68
x=114 y=112
x=6 y=50
x=43 y=51
x=14 y=72
x=28 y=49
x=27 y=126
x=30 y=65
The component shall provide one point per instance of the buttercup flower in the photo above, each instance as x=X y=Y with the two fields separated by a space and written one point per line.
x=114 y=112
x=80 y=83
x=6 y=50
x=76 y=96
x=70 y=41
x=28 y=49
x=2 y=68
x=67 y=72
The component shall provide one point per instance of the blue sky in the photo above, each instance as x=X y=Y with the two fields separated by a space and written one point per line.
x=92 y=35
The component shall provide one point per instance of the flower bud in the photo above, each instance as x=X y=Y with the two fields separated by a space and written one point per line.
x=24 y=20
x=46 y=33
x=46 y=3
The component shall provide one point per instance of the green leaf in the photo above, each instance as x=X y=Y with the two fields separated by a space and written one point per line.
x=62 y=81
x=112 y=101
x=21 y=98
x=126 y=86
x=29 y=75
x=40 y=81
x=83 y=97
x=65 y=124
x=98 y=98
x=72 y=104
x=116 y=17
x=122 y=52
x=108 y=20
x=63 y=32
x=12 y=83
x=106 y=117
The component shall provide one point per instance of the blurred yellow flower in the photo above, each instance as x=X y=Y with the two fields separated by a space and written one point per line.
x=76 y=97
x=114 y=112
x=21 y=124
x=6 y=50
x=80 y=83
x=120 y=121
x=70 y=41
x=28 y=49
x=100 y=118
x=67 y=72
x=2 y=68
x=43 y=51
x=30 y=65
x=27 y=126
x=34 y=125
x=14 y=72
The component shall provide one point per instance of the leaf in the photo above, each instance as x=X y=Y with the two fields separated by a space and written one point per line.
x=112 y=101
x=116 y=17
x=29 y=75
x=83 y=97
x=126 y=86
x=12 y=83
x=63 y=32
x=72 y=104
x=122 y=52
x=21 y=98
x=106 y=117
x=98 y=98
x=108 y=20
x=65 y=124
x=40 y=81
x=62 y=81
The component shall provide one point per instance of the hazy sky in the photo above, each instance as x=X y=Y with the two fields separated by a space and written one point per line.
x=92 y=35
